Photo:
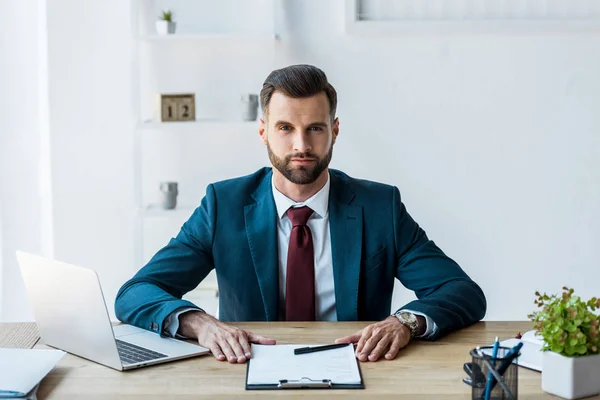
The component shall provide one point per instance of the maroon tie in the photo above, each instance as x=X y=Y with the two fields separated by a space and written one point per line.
x=300 y=279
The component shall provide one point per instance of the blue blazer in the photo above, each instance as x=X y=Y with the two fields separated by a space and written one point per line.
x=234 y=230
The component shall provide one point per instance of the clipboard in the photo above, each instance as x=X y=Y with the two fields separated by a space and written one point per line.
x=304 y=383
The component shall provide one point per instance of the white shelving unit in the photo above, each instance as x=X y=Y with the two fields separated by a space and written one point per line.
x=202 y=58
x=205 y=37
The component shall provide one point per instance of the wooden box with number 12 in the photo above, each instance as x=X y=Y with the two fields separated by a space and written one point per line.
x=177 y=107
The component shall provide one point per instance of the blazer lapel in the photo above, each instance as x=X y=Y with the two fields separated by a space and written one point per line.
x=261 y=229
x=346 y=227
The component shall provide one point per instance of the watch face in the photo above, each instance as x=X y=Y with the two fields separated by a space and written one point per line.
x=408 y=317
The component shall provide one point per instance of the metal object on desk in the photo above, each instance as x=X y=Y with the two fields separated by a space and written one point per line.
x=476 y=376
x=505 y=374
x=304 y=383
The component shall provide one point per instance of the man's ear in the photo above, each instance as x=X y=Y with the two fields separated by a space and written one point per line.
x=262 y=130
x=335 y=129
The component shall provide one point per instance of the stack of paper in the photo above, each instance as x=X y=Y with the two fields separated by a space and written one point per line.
x=22 y=369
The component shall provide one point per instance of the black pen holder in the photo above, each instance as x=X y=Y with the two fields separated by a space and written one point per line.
x=503 y=382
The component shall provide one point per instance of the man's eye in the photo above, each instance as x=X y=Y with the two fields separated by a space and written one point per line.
x=316 y=128
x=285 y=128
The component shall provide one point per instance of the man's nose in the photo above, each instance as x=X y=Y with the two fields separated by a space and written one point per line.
x=301 y=143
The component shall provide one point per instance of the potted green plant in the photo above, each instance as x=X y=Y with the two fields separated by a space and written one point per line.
x=165 y=24
x=571 y=333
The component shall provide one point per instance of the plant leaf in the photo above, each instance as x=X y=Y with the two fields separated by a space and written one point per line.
x=557 y=348
x=569 y=350
x=581 y=349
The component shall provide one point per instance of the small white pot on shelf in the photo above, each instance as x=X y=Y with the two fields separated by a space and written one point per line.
x=571 y=377
x=165 y=27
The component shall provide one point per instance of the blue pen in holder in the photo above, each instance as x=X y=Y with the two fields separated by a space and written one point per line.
x=504 y=374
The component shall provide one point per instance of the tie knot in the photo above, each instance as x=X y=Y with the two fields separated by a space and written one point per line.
x=299 y=215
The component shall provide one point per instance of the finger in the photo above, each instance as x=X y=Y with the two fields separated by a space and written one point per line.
x=217 y=352
x=361 y=354
x=355 y=337
x=237 y=348
x=381 y=348
x=366 y=334
x=370 y=345
x=245 y=345
x=394 y=349
x=228 y=351
x=254 y=338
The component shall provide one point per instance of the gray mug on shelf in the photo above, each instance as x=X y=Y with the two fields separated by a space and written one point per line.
x=168 y=195
x=249 y=106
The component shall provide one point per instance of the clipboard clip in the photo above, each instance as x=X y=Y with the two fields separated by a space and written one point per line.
x=304 y=383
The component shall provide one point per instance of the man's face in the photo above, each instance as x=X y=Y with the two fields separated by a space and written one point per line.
x=299 y=136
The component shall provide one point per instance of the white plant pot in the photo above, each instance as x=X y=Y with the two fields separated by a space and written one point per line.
x=165 y=27
x=571 y=377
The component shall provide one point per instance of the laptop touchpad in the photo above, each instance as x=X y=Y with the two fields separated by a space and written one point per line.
x=125 y=330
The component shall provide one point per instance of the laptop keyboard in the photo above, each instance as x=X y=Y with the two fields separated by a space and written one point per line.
x=20 y=335
x=131 y=354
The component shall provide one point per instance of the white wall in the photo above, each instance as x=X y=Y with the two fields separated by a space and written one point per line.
x=23 y=196
x=90 y=77
x=66 y=169
x=492 y=141
x=1 y=264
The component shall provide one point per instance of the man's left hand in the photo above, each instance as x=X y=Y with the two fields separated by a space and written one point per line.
x=382 y=338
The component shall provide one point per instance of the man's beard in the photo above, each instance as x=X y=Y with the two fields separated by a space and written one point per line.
x=302 y=175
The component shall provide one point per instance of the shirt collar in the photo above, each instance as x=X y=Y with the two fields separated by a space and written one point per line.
x=319 y=202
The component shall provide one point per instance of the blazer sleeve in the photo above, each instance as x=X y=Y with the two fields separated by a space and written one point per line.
x=155 y=291
x=444 y=291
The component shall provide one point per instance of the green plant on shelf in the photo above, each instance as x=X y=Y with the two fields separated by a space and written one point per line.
x=568 y=324
x=166 y=15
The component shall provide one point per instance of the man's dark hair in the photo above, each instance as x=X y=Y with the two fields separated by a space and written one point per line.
x=298 y=81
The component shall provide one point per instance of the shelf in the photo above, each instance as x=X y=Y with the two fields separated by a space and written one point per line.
x=207 y=37
x=157 y=212
x=203 y=124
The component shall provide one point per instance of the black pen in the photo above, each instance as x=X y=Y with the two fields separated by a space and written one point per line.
x=306 y=350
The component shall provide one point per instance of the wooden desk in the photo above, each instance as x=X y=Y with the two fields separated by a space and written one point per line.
x=422 y=370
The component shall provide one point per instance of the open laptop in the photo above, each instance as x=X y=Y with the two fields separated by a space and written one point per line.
x=71 y=315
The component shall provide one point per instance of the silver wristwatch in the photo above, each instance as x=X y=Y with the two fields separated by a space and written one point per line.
x=409 y=320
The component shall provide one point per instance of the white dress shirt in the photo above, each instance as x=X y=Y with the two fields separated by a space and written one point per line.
x=318 y=223
x=319 y=227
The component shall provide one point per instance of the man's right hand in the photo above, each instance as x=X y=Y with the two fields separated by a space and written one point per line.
x=226 y=342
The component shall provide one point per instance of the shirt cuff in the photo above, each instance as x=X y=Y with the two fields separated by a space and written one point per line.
x=432 y=327
x=171 y=324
